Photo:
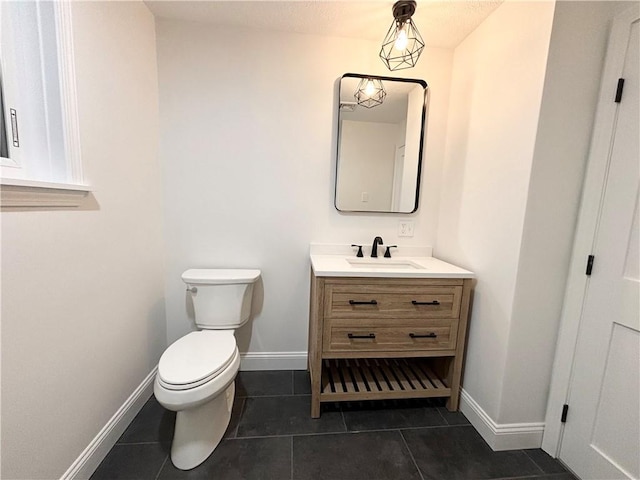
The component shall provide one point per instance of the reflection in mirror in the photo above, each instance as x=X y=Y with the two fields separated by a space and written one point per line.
x=380 y=148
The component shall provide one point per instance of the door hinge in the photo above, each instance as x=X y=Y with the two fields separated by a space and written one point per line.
x=565 y=409
x=619 y=90
x=590 y=260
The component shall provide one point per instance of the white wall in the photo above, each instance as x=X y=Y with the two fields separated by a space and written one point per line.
x=248 y=151
x=524 y=92
x=498 y=77
x=82 y=290
x=367 y=154
x=576 y=57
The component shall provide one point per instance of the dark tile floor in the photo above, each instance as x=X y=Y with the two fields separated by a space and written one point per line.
x=272 y=436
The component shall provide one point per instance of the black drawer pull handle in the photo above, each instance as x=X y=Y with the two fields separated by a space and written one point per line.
x=357 y=302
x=435 y=302
x=427 y=335
x=370 y=335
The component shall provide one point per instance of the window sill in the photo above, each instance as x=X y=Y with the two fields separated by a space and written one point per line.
x=34 y=193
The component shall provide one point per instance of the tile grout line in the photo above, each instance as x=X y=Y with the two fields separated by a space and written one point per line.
x=534 y=462
x=285 y=435
x=442 y=416
x=244 y=402
x=524 y=477
x=350 y=432
x=344 y=422
x=292 y=458
x=161 y=467
x=532 y=477
x=415 y=464
x=276 y=396
x=139 y=443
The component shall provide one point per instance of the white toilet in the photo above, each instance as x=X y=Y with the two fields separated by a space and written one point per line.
x=196 y=373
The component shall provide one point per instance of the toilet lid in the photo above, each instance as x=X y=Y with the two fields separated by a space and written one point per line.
x=196 y=357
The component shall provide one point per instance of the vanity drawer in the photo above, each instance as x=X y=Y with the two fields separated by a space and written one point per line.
x=390 y=302
x=362 y=338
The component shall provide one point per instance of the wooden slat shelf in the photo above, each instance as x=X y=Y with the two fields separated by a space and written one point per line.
x=380 y=378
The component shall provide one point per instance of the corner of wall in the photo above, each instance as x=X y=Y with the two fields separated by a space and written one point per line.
x=493 y=119
x=508 y=436
x=569 y=97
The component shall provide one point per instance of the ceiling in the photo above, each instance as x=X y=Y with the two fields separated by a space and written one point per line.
x=441 y=23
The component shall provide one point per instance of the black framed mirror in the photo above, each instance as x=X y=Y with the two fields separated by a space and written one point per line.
x=381 y=124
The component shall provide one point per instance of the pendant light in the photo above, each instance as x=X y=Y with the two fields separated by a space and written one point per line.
x=403 y=44
x=370 y=92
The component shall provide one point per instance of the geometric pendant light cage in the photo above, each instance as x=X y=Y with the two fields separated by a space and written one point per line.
x=403 y=43
x=370 y=92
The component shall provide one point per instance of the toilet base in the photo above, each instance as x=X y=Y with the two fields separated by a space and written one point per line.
x=198 y=430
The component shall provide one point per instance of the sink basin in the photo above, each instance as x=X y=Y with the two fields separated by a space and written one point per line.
x=384 y=263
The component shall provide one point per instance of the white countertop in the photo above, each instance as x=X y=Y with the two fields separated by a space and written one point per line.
x=340 y=265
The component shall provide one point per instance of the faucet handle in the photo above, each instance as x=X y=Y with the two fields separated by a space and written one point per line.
x=359 y=254
x=387 y=253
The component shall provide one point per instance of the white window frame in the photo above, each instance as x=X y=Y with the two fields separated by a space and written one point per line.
x=16 y=189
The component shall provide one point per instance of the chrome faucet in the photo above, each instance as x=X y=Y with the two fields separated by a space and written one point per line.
x=374 y=248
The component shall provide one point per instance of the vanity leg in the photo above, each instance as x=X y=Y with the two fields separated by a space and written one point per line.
x=453 y=379
x=455 y=369
x=315 y=406
x=453 y=401
x=315 y=372
x=315 y=342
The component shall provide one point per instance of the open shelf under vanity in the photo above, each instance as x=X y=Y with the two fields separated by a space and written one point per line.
x=376 y=378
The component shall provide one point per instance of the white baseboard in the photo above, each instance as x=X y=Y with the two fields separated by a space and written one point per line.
x=273 y=361
x=90 y=458
x=506 y=436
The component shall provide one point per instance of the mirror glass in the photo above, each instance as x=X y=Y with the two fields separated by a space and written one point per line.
x=380 y=147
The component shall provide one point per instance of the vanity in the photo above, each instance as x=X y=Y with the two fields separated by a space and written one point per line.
x=383 y=328
x=386 y=328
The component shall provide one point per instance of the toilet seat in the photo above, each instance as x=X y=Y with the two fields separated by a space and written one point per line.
x=196 y=359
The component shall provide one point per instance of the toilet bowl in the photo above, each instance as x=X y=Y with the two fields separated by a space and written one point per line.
x=196 y=373
x=196 y=379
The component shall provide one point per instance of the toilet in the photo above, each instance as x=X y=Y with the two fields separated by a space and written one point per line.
x=196 y=373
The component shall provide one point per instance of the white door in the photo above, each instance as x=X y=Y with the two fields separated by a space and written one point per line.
x=601 y=439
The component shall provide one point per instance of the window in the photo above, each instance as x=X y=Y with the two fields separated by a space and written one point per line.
x=39 y=130
x=4 y=145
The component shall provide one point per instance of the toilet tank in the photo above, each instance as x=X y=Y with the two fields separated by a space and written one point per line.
x=221 y=297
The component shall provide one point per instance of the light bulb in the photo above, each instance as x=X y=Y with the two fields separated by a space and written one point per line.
x=370 y=88
x=401 y=40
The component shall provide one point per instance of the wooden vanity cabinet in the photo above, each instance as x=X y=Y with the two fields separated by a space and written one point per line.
x=383 y=338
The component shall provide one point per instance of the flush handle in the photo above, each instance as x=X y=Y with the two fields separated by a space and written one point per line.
x=193 y=290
